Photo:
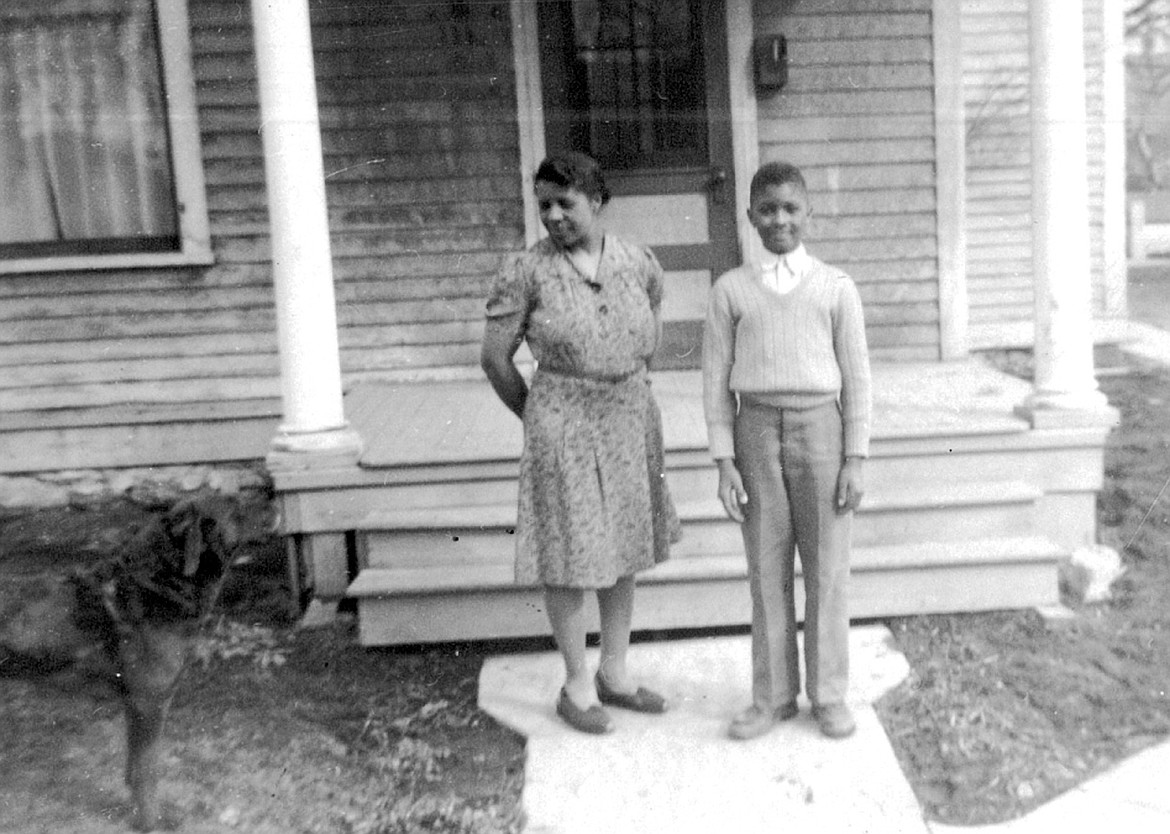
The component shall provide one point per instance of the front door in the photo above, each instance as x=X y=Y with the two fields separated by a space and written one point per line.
x=641 y=86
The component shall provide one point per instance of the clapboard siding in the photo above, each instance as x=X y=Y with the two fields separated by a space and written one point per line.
x=426 y=165
x=227 y=196
x=996 y=93
x=379 y=217
x=1095 y=11
x=418 y=129
x=386 y=140
x=857 y=115
x=421 y=154
x=999 y=229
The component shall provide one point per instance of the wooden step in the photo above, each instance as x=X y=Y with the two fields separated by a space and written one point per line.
x=338 y=501
x=482 y=535
x=954 y=511
x=442 y=603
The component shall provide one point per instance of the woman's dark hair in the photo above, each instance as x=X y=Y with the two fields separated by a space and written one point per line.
x=575 y=170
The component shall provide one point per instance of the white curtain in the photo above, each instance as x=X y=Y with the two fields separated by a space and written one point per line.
x=83 y=139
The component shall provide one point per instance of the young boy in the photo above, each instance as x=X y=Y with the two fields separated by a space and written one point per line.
x=786 y=393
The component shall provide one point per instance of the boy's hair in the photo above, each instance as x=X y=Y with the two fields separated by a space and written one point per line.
x=571 y=169
x=776 y=173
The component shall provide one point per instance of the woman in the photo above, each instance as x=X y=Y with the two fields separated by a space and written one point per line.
x=594 y=508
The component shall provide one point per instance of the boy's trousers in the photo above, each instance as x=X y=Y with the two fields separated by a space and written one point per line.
x=790 y=460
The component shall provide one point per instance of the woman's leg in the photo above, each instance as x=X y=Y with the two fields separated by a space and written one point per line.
x=616 y=607
x=566 y=613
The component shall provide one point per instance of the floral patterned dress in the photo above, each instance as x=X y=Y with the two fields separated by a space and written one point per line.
x=593 y=506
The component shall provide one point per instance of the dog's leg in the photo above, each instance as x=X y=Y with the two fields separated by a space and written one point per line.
x=152 y=659
x=143 y=758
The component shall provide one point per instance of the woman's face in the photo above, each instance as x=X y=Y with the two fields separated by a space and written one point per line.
x=568 y=215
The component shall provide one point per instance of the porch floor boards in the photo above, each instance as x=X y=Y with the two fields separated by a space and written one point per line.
x=445 y=422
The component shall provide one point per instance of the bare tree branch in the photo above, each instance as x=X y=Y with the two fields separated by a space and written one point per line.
x=1147 y=15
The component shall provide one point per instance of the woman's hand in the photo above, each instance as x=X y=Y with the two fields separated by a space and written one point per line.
x=731 y=491
x=850 y=485
x=500 y=343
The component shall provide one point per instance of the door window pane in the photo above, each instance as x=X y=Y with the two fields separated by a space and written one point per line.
x=624 y=80
x=85 y=163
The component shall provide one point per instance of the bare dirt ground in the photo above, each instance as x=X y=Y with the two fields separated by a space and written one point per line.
x=275 y=730
x=272 y=730
x=1004 y=711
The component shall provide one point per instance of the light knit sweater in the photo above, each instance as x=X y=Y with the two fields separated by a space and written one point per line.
x=797 y=350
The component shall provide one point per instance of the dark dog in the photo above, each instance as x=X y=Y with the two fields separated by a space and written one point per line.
x=129 y=620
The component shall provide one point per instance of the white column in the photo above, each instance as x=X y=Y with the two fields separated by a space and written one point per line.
x=306 y=316
x=1114 y=198
x=950 y=185
x=1064 y=376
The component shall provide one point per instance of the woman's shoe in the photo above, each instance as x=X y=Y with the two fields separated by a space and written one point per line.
x=643 y=700
x=594 y=720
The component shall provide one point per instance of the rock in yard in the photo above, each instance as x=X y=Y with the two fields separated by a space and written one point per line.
x=1090 y=571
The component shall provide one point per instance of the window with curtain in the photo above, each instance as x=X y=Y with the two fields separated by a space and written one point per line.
x=85 y=162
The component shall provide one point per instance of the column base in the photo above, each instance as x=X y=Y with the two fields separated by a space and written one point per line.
x=1061 y=411
x=341 y=446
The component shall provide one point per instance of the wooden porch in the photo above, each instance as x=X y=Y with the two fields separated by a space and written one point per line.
x=968 y=508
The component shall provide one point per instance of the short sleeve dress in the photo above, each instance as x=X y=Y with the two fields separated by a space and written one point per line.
x=594 y=506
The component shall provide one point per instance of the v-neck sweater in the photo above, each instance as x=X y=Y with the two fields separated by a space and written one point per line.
x=798 y=350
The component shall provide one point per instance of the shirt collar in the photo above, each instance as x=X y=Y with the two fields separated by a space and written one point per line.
x=797 y=261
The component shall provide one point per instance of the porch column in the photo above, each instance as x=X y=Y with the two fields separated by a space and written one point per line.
x=313 y=431
x=1064 y=379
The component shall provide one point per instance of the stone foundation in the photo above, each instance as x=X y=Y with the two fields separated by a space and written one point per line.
x=154 y=485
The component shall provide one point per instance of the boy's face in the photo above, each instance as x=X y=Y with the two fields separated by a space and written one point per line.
x=780 y=214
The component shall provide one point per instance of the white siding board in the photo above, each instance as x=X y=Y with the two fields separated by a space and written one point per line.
x=858 y=117
x=855 y=153
x=996 y=77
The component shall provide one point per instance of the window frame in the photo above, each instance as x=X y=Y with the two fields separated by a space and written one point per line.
x=174 y=41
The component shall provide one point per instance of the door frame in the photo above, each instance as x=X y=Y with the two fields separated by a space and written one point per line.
x=740 y=99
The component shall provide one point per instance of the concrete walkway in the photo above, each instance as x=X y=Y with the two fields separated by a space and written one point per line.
x=678 y=773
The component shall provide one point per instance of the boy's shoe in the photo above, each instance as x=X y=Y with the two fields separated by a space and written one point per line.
x=835 y=720
x=754 y=722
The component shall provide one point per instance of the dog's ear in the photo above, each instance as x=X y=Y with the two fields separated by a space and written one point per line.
x=221 y=535
x=183 y=525
x=206 y=527
x=227 y=527
x=193 y=547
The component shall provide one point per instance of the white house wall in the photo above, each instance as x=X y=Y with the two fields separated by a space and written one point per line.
x=995 y=43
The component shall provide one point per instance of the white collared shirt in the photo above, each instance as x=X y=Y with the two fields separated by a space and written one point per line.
x=781 y=273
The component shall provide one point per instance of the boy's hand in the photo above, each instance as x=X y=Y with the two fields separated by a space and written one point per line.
x=731 y=491
x=850 y=485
